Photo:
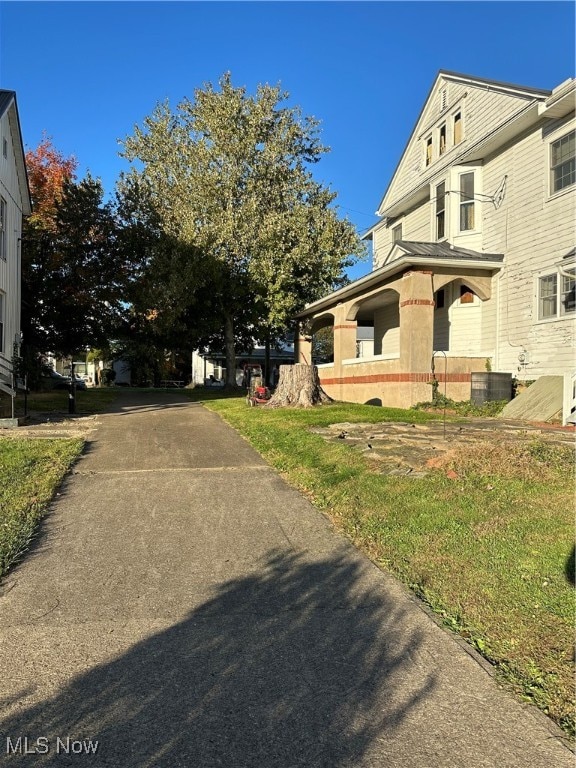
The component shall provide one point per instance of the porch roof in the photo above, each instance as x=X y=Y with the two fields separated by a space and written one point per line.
x=410 y=254
x=444 y=251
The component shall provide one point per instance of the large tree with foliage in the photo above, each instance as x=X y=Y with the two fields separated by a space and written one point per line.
x=229 y=177
x=74 y=274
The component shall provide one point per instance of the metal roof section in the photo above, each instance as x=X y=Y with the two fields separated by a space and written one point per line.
x=8 y=104
x=444 y=251
x=412 y=254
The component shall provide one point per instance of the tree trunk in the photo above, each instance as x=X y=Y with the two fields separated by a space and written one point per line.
x=230 y=351
x=298 y=386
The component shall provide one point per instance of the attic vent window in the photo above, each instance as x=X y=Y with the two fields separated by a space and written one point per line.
x=4 y=148
x=443 y=99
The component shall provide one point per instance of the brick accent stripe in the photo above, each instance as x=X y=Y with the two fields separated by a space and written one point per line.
x=399 y=378
x=417 y=302
x=338 y=327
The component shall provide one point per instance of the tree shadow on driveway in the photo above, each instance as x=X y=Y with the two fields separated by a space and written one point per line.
x=298 y=664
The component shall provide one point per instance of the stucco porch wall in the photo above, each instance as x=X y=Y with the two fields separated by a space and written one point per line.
x=382 y=382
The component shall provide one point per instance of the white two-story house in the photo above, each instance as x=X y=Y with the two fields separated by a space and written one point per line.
x=14 y=204
x=473 y=253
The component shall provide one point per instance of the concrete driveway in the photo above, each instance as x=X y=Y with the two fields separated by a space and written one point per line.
x=184 y=607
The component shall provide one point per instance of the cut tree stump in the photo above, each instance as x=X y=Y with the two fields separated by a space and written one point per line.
x=298 y=387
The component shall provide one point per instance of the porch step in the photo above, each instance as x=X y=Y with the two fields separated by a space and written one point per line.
x=5 y=387
x=542 y=401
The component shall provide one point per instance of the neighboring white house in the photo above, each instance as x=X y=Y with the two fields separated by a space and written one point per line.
x=14 y=204
x=473 y=256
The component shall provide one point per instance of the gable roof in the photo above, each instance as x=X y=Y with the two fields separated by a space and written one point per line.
x=526 y=96
x=8 y=105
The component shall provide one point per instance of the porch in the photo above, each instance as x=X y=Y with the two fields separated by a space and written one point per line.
x=434 y=320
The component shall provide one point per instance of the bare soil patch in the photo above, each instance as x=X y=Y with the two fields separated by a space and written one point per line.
x=402 y=448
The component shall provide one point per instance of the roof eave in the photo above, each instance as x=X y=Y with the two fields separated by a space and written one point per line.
x=386 y=271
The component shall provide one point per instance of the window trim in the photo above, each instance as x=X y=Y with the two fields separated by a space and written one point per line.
x=440 y=214
x=457 y=114
x=559 y=280
x=428 y=155
x=469 y=202
x=552 y=168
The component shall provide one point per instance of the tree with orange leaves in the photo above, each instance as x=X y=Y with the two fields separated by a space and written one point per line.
x=48 y=170
x=74 y=273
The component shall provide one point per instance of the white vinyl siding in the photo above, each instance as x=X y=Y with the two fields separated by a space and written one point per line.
x=3 y=226
x=10 y=192
x=534 y=231
x=1 y=322
x=387 y=330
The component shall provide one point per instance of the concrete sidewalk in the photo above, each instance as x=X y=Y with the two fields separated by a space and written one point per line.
x=185 y=607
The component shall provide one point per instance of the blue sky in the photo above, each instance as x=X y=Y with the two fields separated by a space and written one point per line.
x=87 y=72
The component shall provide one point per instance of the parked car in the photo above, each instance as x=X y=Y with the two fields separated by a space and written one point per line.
x=54 y=380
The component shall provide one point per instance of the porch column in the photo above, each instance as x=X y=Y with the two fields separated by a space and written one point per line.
x=416 y=333
x=344 y=336
x=302 y=347
x=344 y=348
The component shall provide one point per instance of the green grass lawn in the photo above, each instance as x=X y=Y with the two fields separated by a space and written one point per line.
x=30 y=471
x=89 y=401
x=488 y=550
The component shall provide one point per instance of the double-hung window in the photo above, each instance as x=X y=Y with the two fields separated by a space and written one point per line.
x=466 y=202
x=563 y=162
x=440 y=211
x=556 y=294
x=397 y=233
